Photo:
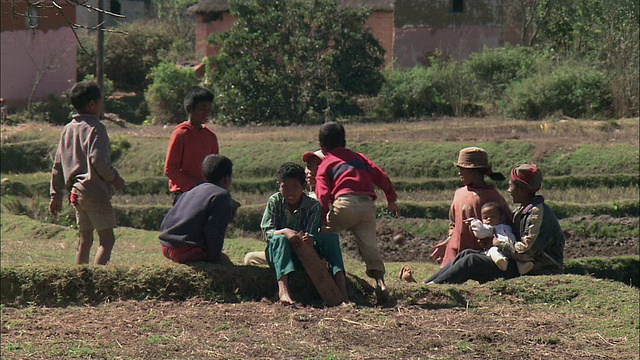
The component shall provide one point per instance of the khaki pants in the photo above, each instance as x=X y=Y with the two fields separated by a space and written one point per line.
x=357 y=213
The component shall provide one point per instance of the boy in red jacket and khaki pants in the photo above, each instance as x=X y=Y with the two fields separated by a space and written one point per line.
x=345 y=189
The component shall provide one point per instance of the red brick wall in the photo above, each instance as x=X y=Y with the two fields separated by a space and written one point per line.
x=203 y=29
x=382 y=27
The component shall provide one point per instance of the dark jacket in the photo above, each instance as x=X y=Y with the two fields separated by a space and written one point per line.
x=539 y=236
x=199 y=217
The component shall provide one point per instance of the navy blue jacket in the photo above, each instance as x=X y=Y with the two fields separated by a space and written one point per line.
x=199 y=217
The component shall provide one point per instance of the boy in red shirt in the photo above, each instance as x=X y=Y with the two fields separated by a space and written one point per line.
x=191 y=141
x=345 y=189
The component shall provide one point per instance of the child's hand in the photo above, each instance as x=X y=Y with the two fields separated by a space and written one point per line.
x=393 y=208
x=307 y=239
x=55 y=206
x=289 y=233
x=480 y=230
x=439 y=249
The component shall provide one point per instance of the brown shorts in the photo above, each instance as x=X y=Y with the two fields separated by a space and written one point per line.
x=94 y=214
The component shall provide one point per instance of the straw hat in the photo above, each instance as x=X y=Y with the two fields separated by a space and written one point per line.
x=473 y=158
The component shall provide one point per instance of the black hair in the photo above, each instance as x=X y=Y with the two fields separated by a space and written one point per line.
x=196 y=95
x=492 y=204
x=216 y=167
x=332 y=135
x=83 y=93
x=496 y=176
x=290 y=170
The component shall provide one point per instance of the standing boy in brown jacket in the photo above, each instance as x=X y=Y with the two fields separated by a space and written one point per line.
x=82 y=167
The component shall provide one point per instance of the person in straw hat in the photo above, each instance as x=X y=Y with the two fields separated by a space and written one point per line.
x=473 y=165
x=538 y=233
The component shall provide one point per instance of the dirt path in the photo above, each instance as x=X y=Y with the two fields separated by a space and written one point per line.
x=203 y=330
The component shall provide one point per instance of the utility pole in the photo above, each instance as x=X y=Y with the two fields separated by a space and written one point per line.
x=100 y=47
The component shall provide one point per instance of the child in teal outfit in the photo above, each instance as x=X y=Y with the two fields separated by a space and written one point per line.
x=288 y=212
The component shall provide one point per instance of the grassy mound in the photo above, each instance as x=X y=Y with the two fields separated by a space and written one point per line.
x=36 y=269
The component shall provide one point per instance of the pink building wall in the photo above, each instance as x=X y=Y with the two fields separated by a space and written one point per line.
x=27 y=55
x=48 y=51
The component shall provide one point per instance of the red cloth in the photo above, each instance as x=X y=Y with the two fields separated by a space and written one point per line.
x=343 y=171
x=184 y=254
x=467 y=203
x=187 y=149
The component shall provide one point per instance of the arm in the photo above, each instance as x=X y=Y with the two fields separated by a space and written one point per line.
x=440 y=248
x=173 y=162
x=216 y=225
x=382 y=180
x=100 y=155
x=480 y=230
x=530 y=243
x=57 y=184
x=268 y=224
x=323 y=191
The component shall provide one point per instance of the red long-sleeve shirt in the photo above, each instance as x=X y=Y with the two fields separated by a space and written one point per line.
x=187 y=149
x=343 y=171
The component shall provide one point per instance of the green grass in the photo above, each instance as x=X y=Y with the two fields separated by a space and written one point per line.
x=37 y=266
x=141 y=155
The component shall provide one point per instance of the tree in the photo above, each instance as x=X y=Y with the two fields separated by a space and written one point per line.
x=173 y=14
x=294 y=61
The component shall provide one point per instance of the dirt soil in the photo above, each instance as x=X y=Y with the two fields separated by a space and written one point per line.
x=398 y=245
x=203 y=330
x=410 y=247
x=427 y=328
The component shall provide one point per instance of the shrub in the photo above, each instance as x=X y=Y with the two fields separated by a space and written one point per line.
x=411 y=93
x=574 y=90
x=130 y=56
x=166 y=93
x=493 y=70
x=130 y=106
x=56 y=110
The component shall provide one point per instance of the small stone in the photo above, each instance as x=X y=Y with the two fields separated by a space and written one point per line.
x=398 y=239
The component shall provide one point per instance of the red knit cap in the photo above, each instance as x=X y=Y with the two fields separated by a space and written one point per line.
x=528 y=175
x=307 y=156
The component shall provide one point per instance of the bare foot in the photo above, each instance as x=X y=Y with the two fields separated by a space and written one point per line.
x=405 y=274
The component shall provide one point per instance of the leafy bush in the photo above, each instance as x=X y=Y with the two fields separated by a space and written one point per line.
x=130 y=56
x=440 y=89
x=293 y=62
x=410 y=93
x=56 y=110
x=574 y=90
x=166 y=93
x=493 y=70
x=132 y=107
